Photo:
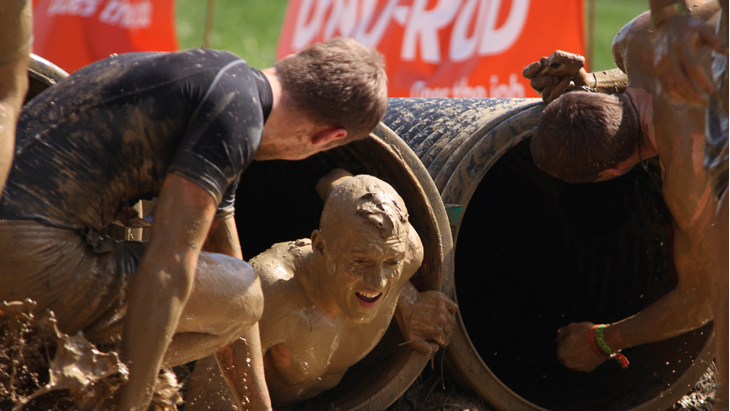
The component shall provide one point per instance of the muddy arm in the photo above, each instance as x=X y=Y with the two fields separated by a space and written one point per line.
x=242 y=365
x=223 y=238
x=163 y=284
x=425 y=319
x=15 y=41
x=685 y=308
x=245 y=379
x=326 y=184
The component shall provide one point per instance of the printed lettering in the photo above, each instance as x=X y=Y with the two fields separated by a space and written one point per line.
x=373 y=36
x=462 y=89
x=83 y=8
x=474 y=30
x=343 y=18
x=497 y=40
x=423 y=27
x=305 y=32
x=129 y=16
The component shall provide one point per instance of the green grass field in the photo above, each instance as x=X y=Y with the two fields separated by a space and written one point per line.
x=250 y=28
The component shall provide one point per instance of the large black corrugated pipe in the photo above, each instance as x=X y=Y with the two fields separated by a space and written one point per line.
x=276 y=202
x=42 y=74
x=533 y=253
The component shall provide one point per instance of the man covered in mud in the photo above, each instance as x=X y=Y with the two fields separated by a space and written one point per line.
x=589 y=136
x=330 y=299
x=15 y=42
x=182 y=126
x=679 y=38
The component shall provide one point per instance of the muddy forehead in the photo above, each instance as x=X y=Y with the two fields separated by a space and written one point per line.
x=365 y=198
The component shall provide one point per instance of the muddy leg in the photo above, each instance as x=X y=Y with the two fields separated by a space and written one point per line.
x=226 y=301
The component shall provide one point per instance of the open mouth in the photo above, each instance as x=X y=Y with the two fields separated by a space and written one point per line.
x=368 y=299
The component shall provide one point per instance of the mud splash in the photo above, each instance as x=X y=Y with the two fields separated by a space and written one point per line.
x=43 y=368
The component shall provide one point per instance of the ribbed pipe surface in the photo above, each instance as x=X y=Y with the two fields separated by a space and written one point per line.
x=533 y=253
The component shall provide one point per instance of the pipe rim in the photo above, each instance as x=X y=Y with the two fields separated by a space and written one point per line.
x=484 y=381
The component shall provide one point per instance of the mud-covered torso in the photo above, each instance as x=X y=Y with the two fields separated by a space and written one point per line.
x=109 y=134
x=309 y=351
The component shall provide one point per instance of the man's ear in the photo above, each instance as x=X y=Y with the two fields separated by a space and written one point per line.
x=329 y=135
x=318 y=245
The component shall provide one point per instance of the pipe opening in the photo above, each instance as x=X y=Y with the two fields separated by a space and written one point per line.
x=535 y=254
x=276 y=201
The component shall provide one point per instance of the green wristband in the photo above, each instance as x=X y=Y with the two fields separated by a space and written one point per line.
x=601 y=342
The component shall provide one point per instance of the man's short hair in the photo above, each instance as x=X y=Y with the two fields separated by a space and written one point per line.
x=338 y=83
x=581 y=134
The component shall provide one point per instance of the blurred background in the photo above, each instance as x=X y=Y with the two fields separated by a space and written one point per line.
x=432 y=48
x=250 y=28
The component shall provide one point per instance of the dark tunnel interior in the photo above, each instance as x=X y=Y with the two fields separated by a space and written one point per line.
x=534 y=254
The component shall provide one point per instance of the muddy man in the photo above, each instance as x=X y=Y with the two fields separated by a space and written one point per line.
x=329 y=299
x=181 y=126
x=590 y=136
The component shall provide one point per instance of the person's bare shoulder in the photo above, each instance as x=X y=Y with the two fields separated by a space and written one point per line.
x=636 y=33
x=279 y=262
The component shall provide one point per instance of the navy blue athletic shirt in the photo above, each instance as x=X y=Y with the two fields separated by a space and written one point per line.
x=108 y=135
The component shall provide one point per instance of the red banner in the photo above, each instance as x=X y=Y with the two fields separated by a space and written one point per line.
x=444 y=48
x=74 y=33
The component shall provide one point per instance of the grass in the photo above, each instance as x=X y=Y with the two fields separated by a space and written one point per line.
x=250 y=28
x=610 y=16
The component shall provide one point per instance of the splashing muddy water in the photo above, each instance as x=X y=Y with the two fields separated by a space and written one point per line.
x=44 y=368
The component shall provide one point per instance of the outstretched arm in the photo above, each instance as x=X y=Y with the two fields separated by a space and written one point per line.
x=683 y=309
x=426 y=319
x=163 y=284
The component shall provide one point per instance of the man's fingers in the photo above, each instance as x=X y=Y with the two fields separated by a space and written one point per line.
x=540 y=82
x=531 y=70
x=423 y=347
x=451 y=306
x=557 y=90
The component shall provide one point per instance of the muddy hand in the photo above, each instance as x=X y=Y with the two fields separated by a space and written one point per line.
x=573 y=349
x=678 y=40
x=428 y=322
x=552 y=76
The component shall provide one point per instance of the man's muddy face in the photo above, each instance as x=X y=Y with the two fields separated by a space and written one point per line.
x=363 y=269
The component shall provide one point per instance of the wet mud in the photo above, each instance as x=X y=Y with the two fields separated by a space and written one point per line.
x=42 y=368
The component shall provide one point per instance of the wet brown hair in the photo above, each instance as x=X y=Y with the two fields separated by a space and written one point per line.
x=338 y=83
x=581 y=134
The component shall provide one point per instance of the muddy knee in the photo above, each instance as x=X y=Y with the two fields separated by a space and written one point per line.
x=226 y=299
